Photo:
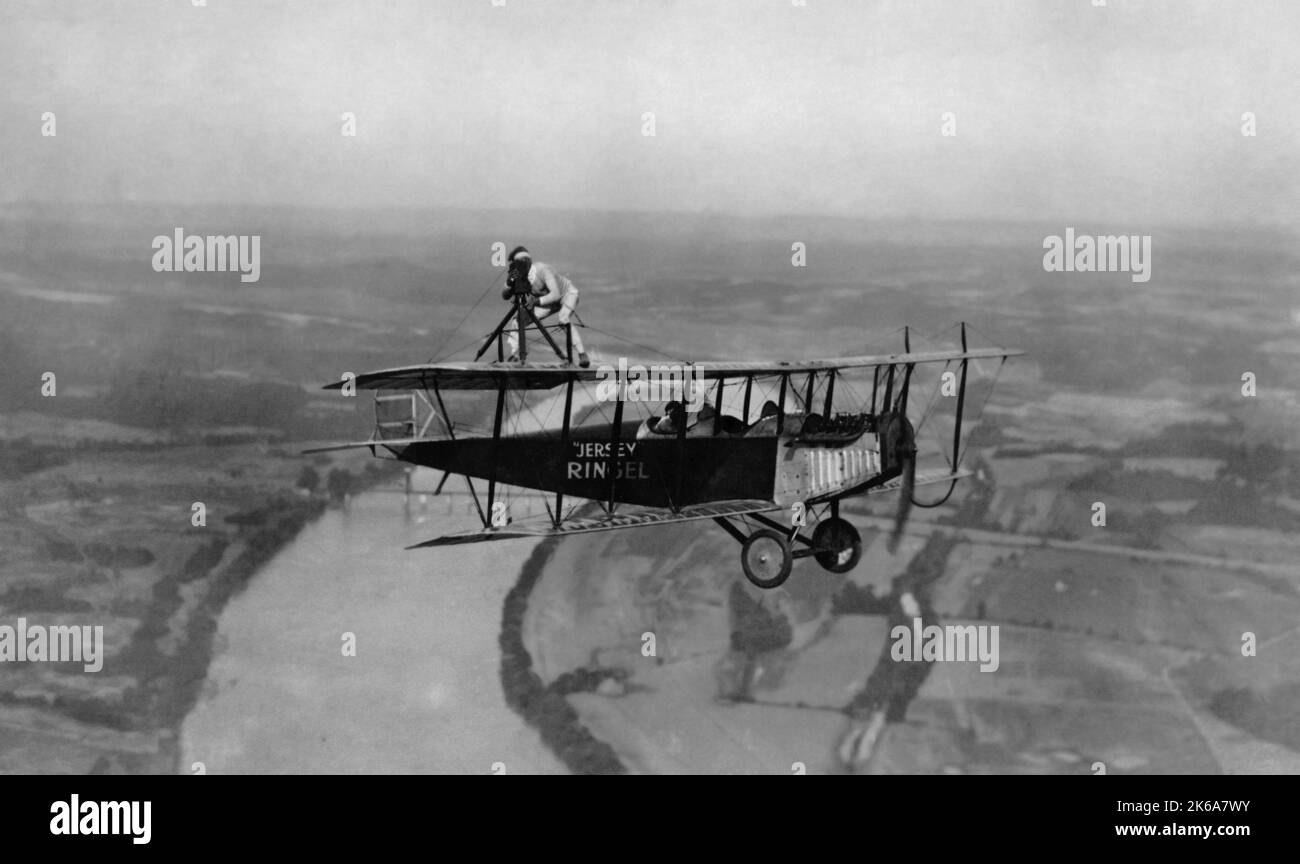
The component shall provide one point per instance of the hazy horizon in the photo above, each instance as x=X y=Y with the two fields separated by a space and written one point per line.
x=1129 y=113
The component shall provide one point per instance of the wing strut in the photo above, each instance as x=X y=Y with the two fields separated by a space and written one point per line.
x=614 y=432
x=961 y=401
x=680 y=461
x=902 y=394
x=717 y=406
x=907 y=371
x=496 y=442
x=780 y=407
x=564 y=451
x=451 y=433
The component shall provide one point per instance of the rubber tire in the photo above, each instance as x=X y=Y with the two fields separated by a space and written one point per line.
x=834 y=532
x=787 y=559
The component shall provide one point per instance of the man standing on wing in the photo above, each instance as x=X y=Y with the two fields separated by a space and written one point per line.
x=552 y=293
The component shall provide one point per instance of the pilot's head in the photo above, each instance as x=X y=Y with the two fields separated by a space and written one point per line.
x=675 y=411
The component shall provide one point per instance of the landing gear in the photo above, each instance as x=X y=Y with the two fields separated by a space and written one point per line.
x=767 y=555
x=766 y=558
x=838 y=543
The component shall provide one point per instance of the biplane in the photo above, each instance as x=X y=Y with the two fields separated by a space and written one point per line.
x=737 y=464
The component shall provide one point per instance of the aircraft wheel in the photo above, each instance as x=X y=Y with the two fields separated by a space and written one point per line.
x=841 y=544
x=766 y=558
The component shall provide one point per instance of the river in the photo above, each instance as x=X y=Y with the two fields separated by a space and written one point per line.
x=423 y=693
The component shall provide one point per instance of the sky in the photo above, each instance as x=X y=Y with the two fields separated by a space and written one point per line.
x=1130 y=112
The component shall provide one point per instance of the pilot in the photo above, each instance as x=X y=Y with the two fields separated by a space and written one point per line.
x=700 y=423
x=674 y=419
x=766 y=422
x=707 y=423
x=550 y=293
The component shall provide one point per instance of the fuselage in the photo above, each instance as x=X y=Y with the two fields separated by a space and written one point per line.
x=661 y=470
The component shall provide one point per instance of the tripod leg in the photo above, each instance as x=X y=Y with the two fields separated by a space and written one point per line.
x=544 y=332
x=496 y=333
x=522 y=346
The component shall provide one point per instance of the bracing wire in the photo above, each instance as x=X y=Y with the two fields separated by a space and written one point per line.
x=465 y=318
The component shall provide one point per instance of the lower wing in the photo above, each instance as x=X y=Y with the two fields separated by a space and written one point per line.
x=605 y=522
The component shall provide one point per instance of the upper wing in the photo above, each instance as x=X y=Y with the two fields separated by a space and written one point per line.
x=723 y=369
x=543 y=376
x=629 y=519
x=471 y=376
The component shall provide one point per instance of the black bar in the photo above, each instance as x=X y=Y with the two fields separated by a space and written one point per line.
x=807 y=399
x=749 y=387
x=1089 y=811
x=830 y=392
